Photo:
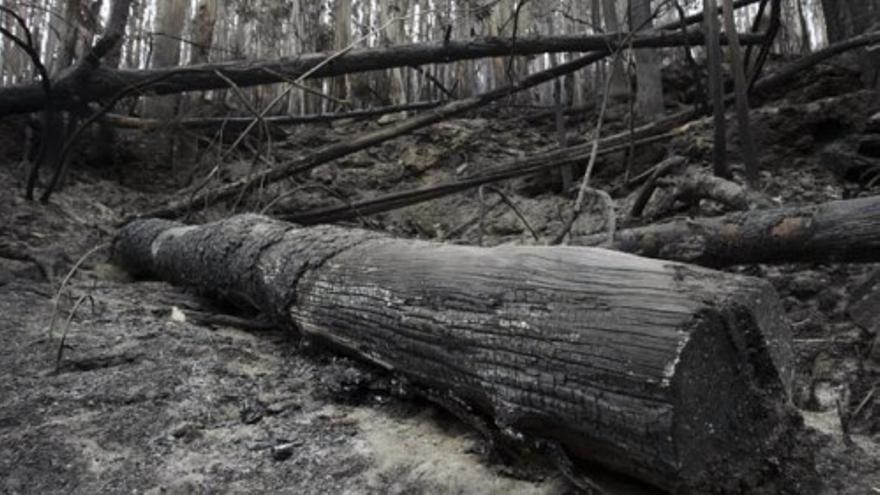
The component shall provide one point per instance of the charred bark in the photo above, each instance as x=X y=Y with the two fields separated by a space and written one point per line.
x=104 y=82
x=674 y=374
x=845 y=231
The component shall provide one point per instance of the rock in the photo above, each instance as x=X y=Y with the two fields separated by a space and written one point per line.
x=873 y=124
x=874 y=354
x=252 y=412
x=284 y=451
x=864 y=307
x=869 y=145
x=808 y=283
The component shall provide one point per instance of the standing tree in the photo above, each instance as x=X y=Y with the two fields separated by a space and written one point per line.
x=716 y=88
x=747 y=142
x=341 y=39
x=649 y=95
x=619 y=82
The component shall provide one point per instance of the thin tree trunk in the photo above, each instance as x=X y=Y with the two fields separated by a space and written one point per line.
x=716 y=89
x=341 y=39
x=619 y=86
x=747 y=141
x=649 y=96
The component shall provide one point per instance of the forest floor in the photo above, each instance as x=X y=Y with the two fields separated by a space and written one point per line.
x=129 y=390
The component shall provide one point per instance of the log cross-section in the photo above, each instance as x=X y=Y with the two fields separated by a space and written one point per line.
x=675 y=374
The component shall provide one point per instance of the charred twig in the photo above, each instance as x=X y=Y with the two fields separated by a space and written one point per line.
x=57 y=298
x=70 y=315
x=506 y=200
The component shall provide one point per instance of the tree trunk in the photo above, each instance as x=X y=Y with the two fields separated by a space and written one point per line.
x=341 y=39
x=649 y=96
x=674 y=374
x=835 y=232
x=716 y=90
x=104 y=82
x=746 y=141
x=171 y=16
x=619 y=82
x=847 y=18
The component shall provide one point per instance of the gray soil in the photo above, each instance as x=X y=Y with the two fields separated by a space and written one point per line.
x=113 y=385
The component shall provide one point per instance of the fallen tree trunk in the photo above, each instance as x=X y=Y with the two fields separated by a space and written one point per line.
x=564 y=157
x=238 y=123
x=845 y=231
x=357 y=143
x=104 y=82
x=785 y=75
x=674 y=374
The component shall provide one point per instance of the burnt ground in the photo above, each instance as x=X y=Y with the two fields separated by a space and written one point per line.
x=133 y=390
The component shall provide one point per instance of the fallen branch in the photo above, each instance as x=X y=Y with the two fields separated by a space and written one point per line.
x=845 y=231
x=519 y=168
x=695 y=186
x=674 y=374
x=782 y=77
x=238 y=123
x=363 y=141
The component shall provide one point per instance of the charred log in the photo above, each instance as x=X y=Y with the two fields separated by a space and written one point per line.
x=674 y=374
x=845 y=231
x=104 y=82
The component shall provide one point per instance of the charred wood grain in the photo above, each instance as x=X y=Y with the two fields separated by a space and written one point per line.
x=846 y=231
x=674 y=374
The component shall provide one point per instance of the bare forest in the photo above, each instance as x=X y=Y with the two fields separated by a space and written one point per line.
x=440 y=246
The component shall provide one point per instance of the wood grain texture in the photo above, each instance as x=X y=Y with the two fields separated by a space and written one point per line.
x=843 y=231
x=675 y=374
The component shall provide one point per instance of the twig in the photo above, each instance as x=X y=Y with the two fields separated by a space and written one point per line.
x=516 y=210
x=305 y=87
x=67 y=328
x=482 y=195
x=864 y=402
x=247 y=103
x=594 y=152
x=66 y=279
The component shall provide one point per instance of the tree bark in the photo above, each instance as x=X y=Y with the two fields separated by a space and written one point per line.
x=740 y=91
x=649 y=95
x=846 y=231
x=171 y=17
x=716 y=90
x=847 y=18
x=341 y=40
x=619 y=84
x=238 y=124
x=104 y=83
x=674 y=374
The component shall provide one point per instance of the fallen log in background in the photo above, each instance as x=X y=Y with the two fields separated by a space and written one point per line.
x=836 y=232
x=104 y=82
x=674 y=374
x=240 y=123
